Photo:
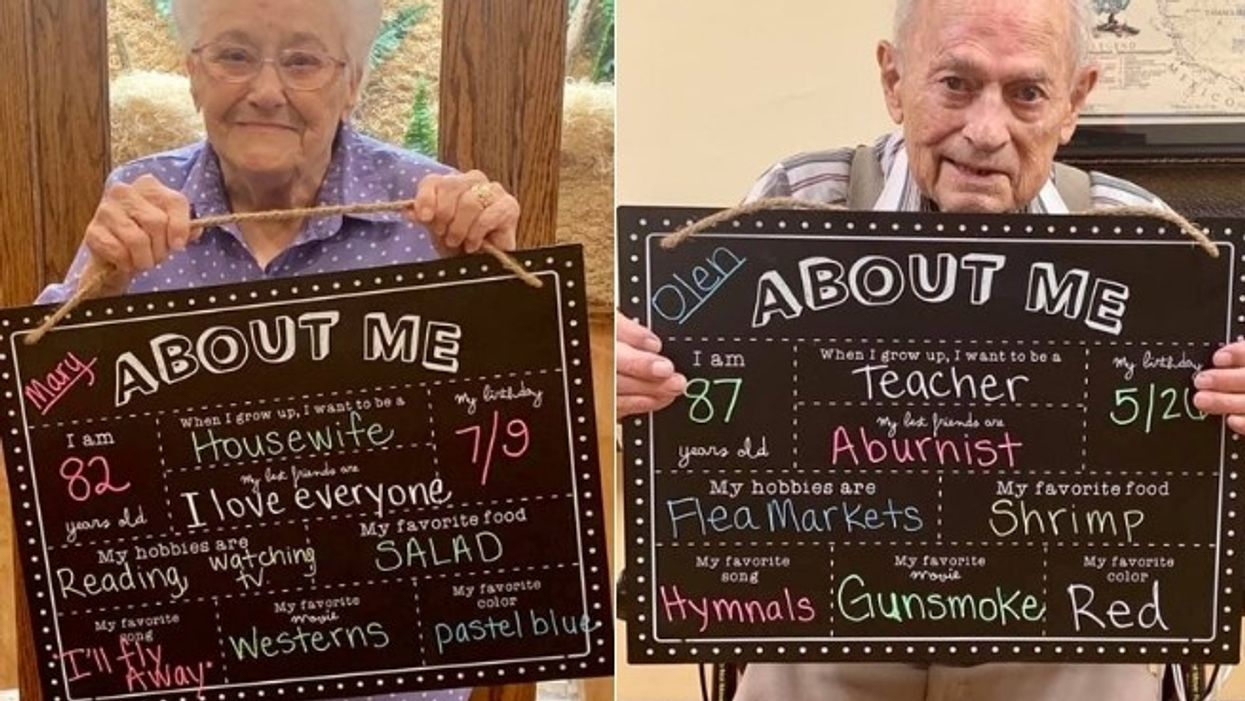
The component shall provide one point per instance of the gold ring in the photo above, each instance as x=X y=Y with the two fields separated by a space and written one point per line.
x=483 y=193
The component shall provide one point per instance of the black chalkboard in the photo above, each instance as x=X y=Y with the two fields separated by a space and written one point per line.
x=337 y=485
x=932 y=437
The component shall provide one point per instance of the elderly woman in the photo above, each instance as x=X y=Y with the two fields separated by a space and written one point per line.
x=276 y=81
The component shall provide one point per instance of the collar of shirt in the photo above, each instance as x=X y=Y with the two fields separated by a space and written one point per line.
x=901 y=194
x=346 y=178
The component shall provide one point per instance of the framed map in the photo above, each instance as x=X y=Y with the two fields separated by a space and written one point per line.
x=1172 y=83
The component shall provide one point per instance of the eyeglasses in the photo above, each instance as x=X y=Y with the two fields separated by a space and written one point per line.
x=299 y=69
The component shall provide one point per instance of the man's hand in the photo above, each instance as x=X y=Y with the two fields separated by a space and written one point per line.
x=465 y=210
x=1221 y=390
x=646 y=381
x=135 y=228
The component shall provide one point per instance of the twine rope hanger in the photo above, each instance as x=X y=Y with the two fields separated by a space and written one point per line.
x=670 y=241
x=95 y=275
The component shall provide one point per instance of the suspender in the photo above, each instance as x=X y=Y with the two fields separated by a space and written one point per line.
x=864 y=184
x=1073 y=186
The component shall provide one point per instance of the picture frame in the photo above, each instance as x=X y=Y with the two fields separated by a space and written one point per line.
x=1167 y=142
x=1168 y=89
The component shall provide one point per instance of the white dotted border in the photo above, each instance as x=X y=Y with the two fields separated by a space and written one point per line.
x=634 y=226
x=855 y=472
x=923 y=543
x=796 y=651
x=565 y=263
x=870 y=340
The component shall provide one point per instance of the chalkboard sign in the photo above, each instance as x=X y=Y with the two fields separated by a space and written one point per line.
x=337 y=485
x=932 y=437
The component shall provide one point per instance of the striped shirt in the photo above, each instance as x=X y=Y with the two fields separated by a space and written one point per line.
x=822 y=176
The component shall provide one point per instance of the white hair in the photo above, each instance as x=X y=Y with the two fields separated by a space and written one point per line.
x=360 y=19
x=1081 y=31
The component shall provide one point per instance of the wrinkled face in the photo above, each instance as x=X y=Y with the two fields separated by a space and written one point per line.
x=986 y=90
x=261 y=127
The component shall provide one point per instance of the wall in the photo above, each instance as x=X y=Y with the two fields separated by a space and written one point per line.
x=712 y=92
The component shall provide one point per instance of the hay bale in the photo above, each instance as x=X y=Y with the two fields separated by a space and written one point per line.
x=151 y=112
x=385 y=106
x=141 y=40
x=586 y=192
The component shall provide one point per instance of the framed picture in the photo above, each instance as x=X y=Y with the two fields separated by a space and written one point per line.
x=1172 y=82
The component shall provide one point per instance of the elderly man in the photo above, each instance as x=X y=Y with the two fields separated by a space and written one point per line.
x=985 y=91
x=276 y=81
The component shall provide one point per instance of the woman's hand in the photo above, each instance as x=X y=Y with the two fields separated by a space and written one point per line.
x=465 y=210
x=135 y=228
x=645 y=380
